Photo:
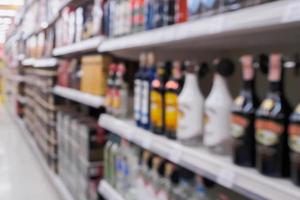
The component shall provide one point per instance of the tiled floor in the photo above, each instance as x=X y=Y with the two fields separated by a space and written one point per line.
x=21 y=176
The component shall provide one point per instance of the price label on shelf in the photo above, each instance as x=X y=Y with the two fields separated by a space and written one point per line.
x=291 y=12
x=226 y=178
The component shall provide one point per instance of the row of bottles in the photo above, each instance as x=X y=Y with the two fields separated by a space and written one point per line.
x=127 y=16
x=256 y=134
x=116 y=99
x=140 y=174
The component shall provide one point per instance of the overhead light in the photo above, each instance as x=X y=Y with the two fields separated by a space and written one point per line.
x=7 y=13
x=12 y=2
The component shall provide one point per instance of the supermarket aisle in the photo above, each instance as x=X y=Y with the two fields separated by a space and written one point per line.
x=21 y=176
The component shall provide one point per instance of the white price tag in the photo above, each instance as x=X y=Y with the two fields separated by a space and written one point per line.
x=291 y=12
x=175 y=154
x=226 y=178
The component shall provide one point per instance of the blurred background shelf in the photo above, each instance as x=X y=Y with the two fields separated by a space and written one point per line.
x=218 y=168
x=89 y=45
x=246 y=28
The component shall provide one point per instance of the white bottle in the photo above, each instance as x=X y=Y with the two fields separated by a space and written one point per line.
x=191 y=108
x=217 y=115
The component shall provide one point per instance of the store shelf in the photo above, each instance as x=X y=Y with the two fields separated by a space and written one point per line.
x=215 y=167
x=108 y=192
x=54 y=179
x=78 y=96
x=45 y=62
x=245 y=28
x=85 y=46
x=28 y=62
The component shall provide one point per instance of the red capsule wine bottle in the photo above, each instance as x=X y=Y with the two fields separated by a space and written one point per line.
x=243 y=116
x=272 y=152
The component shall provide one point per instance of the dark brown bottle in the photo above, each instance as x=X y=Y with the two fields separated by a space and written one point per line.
x=272 y=152
x=243 y=116
x=172 y=89
x=294 y=144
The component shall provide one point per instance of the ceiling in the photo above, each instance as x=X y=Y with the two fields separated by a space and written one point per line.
x=8 y=9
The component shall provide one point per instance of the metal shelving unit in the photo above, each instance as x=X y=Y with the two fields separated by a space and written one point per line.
x=84 y=46
x=45 y=62
x=78 y=96
x=246 y=28
x=218 y=168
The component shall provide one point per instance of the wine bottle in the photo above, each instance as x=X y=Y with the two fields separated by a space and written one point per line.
x=294 y=144
x=110 y=87
x=272 y=156
x=191 y=108
x=157 y=99
x=169 y=12
x=138 y=88
x=173 y=88
x=243 y=116
x=120 y=96
x=218 y=109
x=149 y=76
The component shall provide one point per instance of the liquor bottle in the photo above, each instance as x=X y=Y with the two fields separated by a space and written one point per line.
x=114 y=164
x=138 y=88
x=231 y=5
x=294 y=144
x=190 y=117
x=169 y=12
x=107 y=166
x=110 y=87
x=148 y=77
x=181 y=11
x=194 y=8
x=243 y=116
x=149 y=14
x=120 y=96
x=199 y=189
x=158 y=18
x=218 y=109
x=210 y=7
x=271 y=136
x=158 y=163
x=165 y=185
x=157 y=99
x=185 y=186
x=173 y=88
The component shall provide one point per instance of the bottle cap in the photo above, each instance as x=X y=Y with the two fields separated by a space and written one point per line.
x=224 y=66
x=143 y=59
x=121 y=68
x=275 y=67
x=150 y=59
x=247 y=67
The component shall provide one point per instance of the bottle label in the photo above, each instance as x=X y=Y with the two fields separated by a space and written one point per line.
x=156 y=109
x=298 y=109
x=239 y=101
x=217 y=125
x=108 y=99
x=268 y=104
x=171 y=111
x=267 y=132
x=116 y=104
x=190 y=119
x=294 y=137
x=238 y=126
x=137 y=99
x=145 y=103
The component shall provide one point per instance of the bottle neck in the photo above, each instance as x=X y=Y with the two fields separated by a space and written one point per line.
x=248 y=85
x=276 y=87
